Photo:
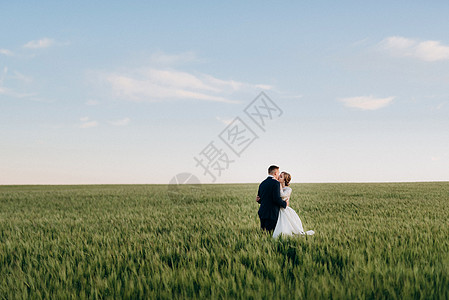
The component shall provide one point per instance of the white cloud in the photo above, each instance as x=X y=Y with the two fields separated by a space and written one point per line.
x=16 y=76
x=440 y=106
x=152 y=84
x=224 y=121
x=263 y=86
x=366 y=102
x=42 y=43
x=424 y=50
x=122 y=122
x=432 y=51
x=92 y=102
x=8 y=92
x=361 y=42
x=398 y=43
x=6 y=52
x=21 y=77
x=11 y=92
x=87 y=124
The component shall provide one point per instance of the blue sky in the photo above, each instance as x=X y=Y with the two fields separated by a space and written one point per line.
x=115 y=92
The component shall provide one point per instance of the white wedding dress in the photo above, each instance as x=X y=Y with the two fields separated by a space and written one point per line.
x=289 y=222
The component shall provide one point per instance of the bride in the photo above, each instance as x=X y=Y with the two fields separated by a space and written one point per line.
x=288 y=222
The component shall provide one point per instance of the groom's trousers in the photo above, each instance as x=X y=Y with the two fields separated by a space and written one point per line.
x=268 y=224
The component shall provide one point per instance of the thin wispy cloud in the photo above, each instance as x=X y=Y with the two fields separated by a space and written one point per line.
x=223 y=120
x=16 y=75
x=92 y=102
x=362 y=42
x=39 y=44
x=6 y=52
x=429 y=50
x=9 y=92
x=153 y=85
x=161 y=58
x=3 y=76
x=366 y=102
x=13 y=92
x=440 y=106
x=85 y=123
x=21 y=77
x=121 y=122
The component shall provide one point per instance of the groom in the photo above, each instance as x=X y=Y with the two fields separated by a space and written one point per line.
x=269 y=198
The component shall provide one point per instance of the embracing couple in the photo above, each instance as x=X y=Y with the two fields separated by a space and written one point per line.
x=274 y=212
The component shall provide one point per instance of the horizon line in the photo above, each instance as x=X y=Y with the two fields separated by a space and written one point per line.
x=314 y=182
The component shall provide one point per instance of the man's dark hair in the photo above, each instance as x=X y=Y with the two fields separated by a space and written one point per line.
x=272 y=168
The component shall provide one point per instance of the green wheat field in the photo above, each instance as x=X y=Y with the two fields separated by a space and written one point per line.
x=373 y=240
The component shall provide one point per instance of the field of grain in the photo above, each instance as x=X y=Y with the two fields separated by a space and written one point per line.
x=379 y=240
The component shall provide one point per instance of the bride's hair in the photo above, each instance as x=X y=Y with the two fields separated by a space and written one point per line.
x=287 y=178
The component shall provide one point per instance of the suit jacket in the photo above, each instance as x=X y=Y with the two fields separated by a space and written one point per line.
x=270 y=199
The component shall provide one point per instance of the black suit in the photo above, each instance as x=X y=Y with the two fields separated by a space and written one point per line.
x=270 y=202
